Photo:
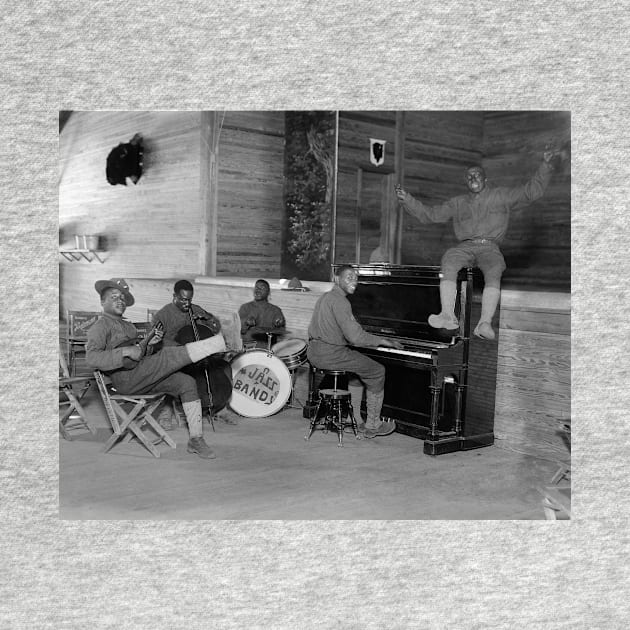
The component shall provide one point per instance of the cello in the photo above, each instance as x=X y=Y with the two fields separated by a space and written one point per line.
x=213 y=369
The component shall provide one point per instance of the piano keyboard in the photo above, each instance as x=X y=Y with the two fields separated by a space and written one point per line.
x=407 y=353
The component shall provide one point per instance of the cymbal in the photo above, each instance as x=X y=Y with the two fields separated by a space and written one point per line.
x=263 y=330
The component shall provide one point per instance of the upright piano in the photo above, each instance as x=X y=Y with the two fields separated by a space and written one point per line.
x=441 y=386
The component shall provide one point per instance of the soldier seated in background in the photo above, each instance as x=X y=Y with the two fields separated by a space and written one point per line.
x=259 y=314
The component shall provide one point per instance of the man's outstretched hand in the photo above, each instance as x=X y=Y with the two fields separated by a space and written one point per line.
x=391 y=343
x=401 y=193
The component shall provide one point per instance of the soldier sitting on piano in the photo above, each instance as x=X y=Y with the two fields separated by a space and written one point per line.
x=333 y=329
x=480 y=220
x=135 y=369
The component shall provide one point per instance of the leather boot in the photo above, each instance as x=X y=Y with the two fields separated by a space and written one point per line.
x=196 y=443
x=193 y=413
x=374 y=426
x=446 y=318
x=489 y=303
x=373 y=404
x=356 y=396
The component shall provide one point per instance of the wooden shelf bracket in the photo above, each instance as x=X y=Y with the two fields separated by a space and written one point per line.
x=80 y=254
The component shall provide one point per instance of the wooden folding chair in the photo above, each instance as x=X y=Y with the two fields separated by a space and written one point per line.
x=556 y=502
x=557 y=496
x=131 y=415
x=143 y=328
x=79 y=323
x=74 y=416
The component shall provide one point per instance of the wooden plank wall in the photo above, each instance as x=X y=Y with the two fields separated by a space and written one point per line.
x=355 y=131
x=534 y=378
x=537 y=247
x=534 y=375
x=151 y=229
x=438 y=148
x=155 y=229
x=251 y=205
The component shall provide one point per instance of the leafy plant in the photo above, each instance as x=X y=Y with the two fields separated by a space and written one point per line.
x=310 y=172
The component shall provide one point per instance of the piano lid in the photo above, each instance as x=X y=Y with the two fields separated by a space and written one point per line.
x=396 y=301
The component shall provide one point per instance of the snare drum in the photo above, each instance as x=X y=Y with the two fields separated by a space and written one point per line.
x=292 y=352
x=261 y=384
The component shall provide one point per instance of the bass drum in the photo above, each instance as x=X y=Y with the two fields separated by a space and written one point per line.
x=292 y=352
x=261 y=384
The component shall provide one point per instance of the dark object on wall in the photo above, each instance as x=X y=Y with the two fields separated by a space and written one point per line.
x=124 y=161
x=377 y=151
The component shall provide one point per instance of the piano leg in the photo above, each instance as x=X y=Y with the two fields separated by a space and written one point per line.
x=435 y=412
x=459 y=396
x=435 y=443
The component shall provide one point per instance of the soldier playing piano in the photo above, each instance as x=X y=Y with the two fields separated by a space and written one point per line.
x=480 y=221
x=332 y=330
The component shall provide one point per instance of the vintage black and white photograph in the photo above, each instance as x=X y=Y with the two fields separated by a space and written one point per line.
x=315 y=314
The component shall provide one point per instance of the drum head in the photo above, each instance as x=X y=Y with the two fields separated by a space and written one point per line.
x=288 y=347
x=261 y=384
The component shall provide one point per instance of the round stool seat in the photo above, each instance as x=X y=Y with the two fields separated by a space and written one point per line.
x=334 y=410
x=334 y=394
x=332 y=372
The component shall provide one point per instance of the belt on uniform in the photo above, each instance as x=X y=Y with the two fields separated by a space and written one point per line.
x=478 y=240
x=310 y=339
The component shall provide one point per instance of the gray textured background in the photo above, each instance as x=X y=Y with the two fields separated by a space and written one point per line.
x=339 y=55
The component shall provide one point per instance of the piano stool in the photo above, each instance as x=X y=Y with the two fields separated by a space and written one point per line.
x=321 y=379
x=334 y=410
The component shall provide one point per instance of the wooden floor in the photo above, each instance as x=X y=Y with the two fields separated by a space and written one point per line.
x=266 y=470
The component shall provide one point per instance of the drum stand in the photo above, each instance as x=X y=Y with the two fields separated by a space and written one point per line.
x=269 y=338
x=293 y=399
x=291 y=402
